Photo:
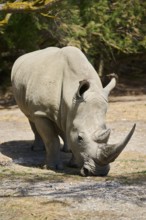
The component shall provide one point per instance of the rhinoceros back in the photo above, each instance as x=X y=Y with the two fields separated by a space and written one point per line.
x=37 y=81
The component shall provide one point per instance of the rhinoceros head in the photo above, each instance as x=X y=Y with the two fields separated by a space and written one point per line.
x=88 y=134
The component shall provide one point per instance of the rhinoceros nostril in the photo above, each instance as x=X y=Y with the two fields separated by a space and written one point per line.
x=85 y=172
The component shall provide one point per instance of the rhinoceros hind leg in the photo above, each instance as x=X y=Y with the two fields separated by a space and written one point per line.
x=51 y=140
x=38 y=144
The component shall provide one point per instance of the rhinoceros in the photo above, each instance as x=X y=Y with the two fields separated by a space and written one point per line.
x=61 y=94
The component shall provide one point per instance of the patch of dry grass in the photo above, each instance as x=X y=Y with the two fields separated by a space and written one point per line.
x=33 y=208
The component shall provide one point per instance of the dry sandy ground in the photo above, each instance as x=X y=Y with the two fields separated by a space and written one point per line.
x=29 y=192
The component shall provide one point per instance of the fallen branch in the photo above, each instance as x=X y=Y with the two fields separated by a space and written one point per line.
x=18 y=7
x=7 y=17
x=34 y=6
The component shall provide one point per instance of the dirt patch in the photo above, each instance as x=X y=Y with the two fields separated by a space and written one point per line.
x=29 y=192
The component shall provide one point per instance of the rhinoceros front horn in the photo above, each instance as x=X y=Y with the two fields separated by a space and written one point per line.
x=110 y=152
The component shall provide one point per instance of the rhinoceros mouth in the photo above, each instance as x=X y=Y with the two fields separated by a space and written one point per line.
x=96 y=170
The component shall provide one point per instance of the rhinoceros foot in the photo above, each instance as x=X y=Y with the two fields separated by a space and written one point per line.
x=54 y=167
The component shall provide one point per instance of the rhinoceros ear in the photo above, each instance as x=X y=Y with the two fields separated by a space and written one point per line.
x=111 y=84
x=83 y=87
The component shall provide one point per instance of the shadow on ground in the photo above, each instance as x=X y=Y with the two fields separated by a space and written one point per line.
x=21 y=153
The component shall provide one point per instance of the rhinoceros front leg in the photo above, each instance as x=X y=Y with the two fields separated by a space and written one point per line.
x=48 y=133
x=38 y=144
x=72 y=162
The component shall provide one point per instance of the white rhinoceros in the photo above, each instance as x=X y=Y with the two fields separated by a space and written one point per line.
x=61 y=95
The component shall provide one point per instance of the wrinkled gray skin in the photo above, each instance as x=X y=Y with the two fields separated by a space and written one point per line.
x=61 y=95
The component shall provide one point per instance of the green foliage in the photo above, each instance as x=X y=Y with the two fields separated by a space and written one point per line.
x=103 y=28
x=20 y=32
x=106 y=25
x=17 y=38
